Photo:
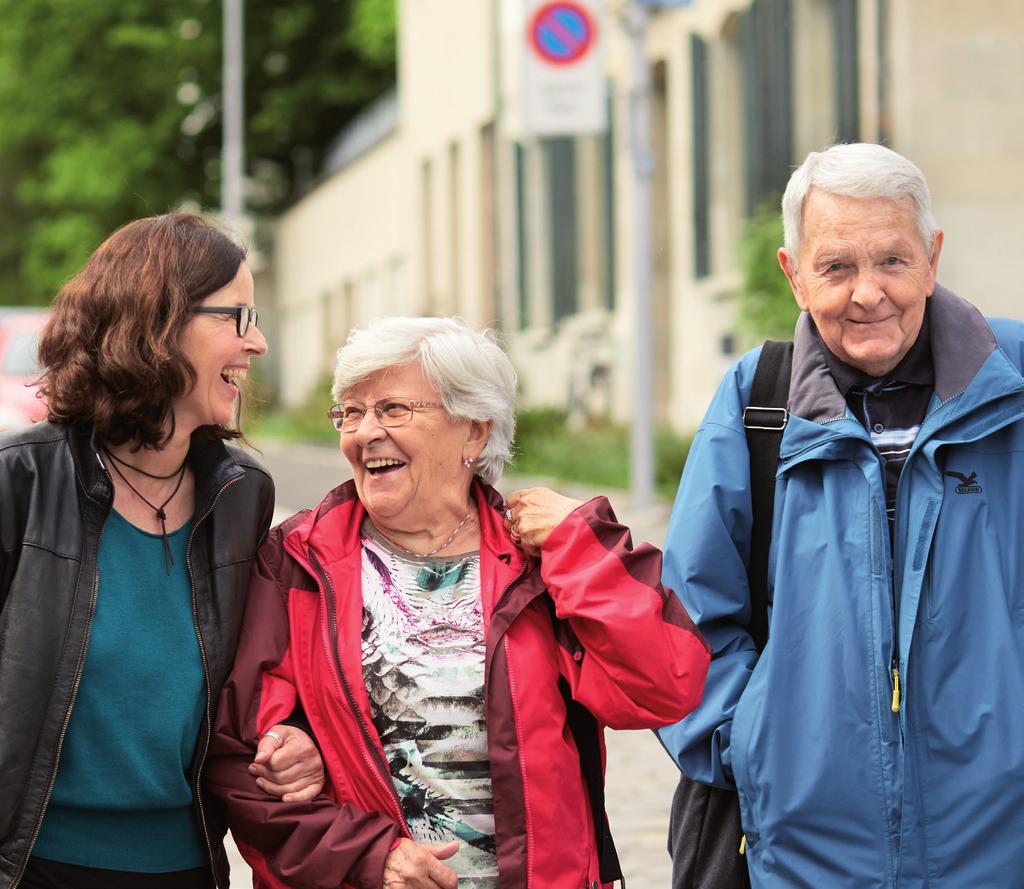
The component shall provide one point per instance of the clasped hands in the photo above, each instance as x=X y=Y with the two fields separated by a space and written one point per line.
x=288 y=765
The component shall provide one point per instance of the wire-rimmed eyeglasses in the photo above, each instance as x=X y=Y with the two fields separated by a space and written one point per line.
x=348 y=415
x=244 y=315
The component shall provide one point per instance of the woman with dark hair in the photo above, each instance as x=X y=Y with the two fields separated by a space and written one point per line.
x=127 y=532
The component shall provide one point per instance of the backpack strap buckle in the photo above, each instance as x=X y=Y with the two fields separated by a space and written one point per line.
x=772 y=419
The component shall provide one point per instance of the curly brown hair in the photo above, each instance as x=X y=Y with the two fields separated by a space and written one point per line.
x=111 y=351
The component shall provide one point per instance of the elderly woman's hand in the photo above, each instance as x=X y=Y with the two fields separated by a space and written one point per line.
x=533 y=513
x=287 y=764
x=418 y=866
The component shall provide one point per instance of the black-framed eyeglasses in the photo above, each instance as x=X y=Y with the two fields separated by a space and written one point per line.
x=347 y=415
x=244 y=315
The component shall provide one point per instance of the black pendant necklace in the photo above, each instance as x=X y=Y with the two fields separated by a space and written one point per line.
x=135 y=468
x=159 y=510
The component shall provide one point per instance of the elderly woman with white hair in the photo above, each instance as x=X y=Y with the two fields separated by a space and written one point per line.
x=457 y=656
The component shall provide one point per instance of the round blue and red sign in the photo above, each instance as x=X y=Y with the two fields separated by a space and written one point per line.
x=562 y=32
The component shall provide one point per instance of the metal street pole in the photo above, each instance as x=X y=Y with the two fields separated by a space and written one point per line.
x=642 y=440
x=233 y=144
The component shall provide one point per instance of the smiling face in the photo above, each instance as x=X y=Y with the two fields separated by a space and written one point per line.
x=411 y=478
x=220 y=357
x=864 y=274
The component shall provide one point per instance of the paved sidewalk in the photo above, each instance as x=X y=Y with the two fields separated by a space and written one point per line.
x=640 y=776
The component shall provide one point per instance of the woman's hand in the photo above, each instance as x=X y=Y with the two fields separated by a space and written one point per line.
x=291 y=767
x=533 y=513
x=418 y=866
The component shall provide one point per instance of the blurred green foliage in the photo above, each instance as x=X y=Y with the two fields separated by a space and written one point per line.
x=597 y=454
x=306 y=423
x=766 y=306
x=111 y=109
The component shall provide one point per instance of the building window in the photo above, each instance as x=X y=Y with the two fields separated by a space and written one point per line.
x=488 y=227
x=522 y=245
x=560 y=163
x=765 y=37
x=454 y=233
x=882 y=62
x=427 y=224
x=701 y=139
x=847 y=64
x=608 y=218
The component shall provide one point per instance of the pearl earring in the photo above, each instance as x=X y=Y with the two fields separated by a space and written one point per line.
x=468 y=462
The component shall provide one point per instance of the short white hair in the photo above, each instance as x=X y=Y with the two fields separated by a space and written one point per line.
x=856 y=170
x=468 y=368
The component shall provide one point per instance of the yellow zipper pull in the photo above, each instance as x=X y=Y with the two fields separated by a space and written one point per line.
x=743 y=844
x=895 y=689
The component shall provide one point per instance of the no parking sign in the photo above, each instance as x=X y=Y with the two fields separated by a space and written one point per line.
x=562 y=33
x=565 y=92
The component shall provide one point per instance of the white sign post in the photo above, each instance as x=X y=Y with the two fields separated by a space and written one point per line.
x=565 y=92
x=642 y=430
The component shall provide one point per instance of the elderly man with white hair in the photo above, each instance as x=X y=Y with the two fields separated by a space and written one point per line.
x=877 y=740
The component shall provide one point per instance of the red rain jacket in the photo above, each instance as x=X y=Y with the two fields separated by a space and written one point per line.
x=622 y=642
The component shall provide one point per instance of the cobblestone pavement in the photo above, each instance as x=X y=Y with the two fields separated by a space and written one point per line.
x=641 y=777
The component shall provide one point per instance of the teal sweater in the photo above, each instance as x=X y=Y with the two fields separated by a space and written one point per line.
x=122 y=800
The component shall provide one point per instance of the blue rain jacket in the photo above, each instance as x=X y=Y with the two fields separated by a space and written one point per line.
x=837 y=788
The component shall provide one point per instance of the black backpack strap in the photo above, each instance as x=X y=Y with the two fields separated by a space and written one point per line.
x=764 y=420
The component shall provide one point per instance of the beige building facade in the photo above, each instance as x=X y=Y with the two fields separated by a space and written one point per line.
x=440 y=202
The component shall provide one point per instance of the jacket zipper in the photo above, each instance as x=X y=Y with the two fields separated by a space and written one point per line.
x=206 y=675
x=378 y=769
x=894 y=663
x=64 y=726
x=894 y=666
x=898 y=692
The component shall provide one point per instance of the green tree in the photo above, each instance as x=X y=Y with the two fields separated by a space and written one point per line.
x=766 y=306
x=111 y=109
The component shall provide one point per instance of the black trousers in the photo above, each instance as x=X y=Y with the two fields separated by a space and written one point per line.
x=704 y=838
x=44 y=874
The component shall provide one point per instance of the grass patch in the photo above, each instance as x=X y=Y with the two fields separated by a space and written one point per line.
x=597 y=454
x=297 y=425
x=305 y=424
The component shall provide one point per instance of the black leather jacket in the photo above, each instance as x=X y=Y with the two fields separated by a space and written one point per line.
x=55 y=495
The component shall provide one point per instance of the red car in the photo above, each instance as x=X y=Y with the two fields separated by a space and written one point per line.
x=20 y=403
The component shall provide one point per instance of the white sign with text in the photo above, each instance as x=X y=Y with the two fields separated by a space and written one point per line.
x=565 y=89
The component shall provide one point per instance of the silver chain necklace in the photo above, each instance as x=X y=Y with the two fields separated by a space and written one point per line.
x=436 y=549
